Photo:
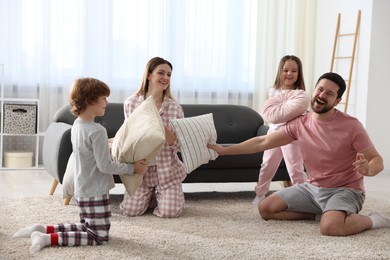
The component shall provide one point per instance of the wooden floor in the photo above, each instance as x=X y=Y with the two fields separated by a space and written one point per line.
x=25 y=183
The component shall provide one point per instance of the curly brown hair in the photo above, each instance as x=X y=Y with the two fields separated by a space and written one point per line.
x=85 y=92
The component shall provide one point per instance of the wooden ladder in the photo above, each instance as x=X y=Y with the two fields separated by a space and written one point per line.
x=351 y=58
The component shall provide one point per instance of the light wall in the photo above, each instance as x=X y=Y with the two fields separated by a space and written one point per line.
x=369 y=85
x=378 y=115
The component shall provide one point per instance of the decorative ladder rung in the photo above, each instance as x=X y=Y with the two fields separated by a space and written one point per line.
x=352 y=58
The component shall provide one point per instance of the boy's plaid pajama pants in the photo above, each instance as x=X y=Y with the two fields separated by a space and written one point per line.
x=94 y=226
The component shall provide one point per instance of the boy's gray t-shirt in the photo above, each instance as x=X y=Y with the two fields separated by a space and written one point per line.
x=94 y=167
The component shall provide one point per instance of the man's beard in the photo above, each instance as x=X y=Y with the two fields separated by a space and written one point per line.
x=325 y=109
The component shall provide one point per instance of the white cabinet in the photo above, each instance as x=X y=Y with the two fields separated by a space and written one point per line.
x=20 y=138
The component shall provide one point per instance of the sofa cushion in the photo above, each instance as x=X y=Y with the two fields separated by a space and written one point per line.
x=193 y=134
x=141 y=136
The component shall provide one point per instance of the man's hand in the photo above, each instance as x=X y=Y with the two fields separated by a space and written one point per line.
x=140 y=166
x=216 y=147
x=361 y=165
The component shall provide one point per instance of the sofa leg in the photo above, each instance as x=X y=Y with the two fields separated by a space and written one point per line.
x=53 y=186
x=67 y=200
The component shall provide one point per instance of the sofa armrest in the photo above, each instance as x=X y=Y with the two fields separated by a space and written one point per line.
x=262 y=130
x=57 y=148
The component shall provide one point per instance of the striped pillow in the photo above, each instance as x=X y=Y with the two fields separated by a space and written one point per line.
x=193 y=134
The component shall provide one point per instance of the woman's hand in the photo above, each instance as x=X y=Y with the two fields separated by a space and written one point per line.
x=170 y=136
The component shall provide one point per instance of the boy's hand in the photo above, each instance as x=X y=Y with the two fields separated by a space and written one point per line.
x=110 y=140
x=140 y=166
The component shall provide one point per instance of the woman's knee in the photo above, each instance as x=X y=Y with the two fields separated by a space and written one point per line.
x=132 y=212
x=170 y=208
x=169 y=213
x=132 y=208
x=170 y=202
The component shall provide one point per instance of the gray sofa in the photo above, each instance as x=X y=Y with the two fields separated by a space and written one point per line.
x=234 y=124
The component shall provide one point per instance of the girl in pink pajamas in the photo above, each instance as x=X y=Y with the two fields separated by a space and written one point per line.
x=161 y=188
x=288 y=78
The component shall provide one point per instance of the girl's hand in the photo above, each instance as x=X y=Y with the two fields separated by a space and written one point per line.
x=140 y=166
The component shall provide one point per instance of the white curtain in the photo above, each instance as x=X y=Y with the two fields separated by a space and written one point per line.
x=222 y=51
x=285 y=27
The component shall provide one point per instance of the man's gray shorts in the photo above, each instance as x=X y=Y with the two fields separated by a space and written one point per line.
x=308 y=198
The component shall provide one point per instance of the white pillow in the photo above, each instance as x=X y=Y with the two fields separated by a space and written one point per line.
x=141 y=136
x=68 y=180
x=282 y=108
x=193 y=134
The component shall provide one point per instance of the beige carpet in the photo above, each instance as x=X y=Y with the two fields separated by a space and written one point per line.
x=212 y=226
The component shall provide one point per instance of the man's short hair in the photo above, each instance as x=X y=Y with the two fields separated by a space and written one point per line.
x=337 y=79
